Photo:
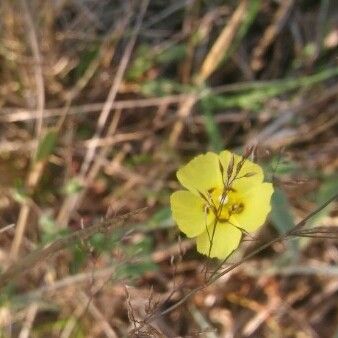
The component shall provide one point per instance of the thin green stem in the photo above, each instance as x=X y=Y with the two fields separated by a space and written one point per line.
x=244 y=259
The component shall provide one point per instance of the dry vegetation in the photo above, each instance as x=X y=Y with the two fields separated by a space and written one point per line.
x=100 y=102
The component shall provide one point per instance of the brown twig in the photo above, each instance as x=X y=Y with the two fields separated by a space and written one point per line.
x=114 y=88
x=40 y=87
x=30 y=316
x=37 y=168
x=72 y=202
x=29 y=261
x=270 y=34
x=211 y=62
x=222 y=44
x=9 y=114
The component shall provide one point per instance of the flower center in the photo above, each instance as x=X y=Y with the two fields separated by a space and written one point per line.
x=223 y=204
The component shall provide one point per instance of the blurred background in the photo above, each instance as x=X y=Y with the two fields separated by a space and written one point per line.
x=101 y=101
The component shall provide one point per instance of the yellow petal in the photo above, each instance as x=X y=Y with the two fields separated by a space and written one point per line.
x=189 y=212
x=226 y=239
x=257 y=206
x=253 y=171
x=201 y=173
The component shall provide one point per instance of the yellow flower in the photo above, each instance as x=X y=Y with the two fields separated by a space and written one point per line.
x=225 y=197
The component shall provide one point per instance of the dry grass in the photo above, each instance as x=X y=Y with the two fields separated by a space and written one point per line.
x=100 y=103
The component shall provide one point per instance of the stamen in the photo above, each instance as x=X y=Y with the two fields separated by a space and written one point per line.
x=237 y=208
